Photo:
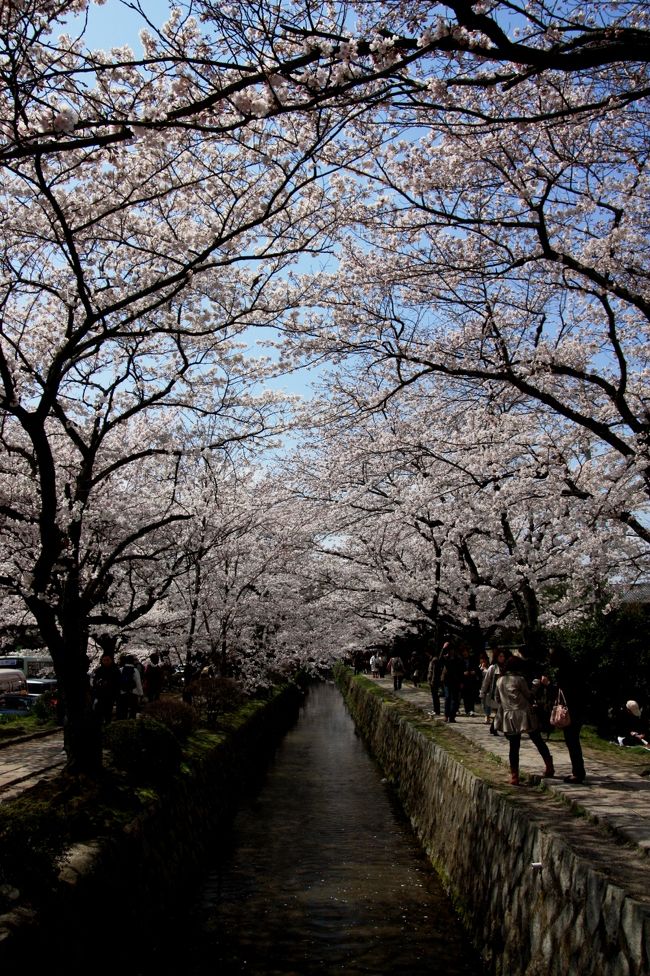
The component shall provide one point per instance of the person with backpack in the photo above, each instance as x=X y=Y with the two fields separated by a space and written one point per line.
x=130 y=694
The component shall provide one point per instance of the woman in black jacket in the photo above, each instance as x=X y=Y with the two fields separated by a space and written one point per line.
x=570 y=682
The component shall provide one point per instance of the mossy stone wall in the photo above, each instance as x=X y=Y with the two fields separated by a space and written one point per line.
x=541 y=891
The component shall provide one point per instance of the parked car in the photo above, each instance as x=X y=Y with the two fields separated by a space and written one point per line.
x=38 y=686
x=11 y=704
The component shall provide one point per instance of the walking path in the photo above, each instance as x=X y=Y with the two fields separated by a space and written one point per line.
x=617 y=795
x=25 y=762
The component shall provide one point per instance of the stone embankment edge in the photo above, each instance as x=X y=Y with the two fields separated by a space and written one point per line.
x=28 y=737
x=150 y=866
x=536 y=887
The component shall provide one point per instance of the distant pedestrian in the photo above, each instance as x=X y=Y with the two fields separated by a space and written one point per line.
x=434 y=672
x=488 y=691
x=359 y=662
x=452 y=677
x=415 y=668
x=397 y=669
x=153 y=678
x=470 y=682
x=130 y=693
x=105 y=687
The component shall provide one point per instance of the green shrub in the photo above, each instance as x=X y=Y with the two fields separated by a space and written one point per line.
x=143 y=748
x=44 y=708
x=177 y=716
x=33 y=839
x=212 y=697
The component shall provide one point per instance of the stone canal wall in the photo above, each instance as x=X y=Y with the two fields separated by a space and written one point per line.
x=541 y=890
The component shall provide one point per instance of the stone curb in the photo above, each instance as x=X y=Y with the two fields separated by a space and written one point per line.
x=6 y=743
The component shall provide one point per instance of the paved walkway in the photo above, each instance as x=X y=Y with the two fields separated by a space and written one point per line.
x=23 y=763
x=618 y=796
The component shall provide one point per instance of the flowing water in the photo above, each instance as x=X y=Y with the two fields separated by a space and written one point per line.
x=321 y=873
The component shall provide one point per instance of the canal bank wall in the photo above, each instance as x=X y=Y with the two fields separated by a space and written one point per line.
x=112 y=891
x=540 y=889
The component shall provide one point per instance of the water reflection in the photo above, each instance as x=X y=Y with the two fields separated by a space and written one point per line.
x=322 y=873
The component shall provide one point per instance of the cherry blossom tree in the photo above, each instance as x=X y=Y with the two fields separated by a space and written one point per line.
x=131 y=277
x=507 y=257
x=254 y=600
x=475 y=176
x=272 y=59
x=450 y=512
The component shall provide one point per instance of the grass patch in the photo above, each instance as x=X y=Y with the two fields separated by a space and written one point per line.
x=14 y=726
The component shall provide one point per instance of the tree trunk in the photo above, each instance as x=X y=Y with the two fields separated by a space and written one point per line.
x=82 y=735
x=68 y=645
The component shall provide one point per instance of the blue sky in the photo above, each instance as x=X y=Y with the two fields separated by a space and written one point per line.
x=115 y=23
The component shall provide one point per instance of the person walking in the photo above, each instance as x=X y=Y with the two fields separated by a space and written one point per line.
x=105 y=687
x=452 y=676
x=488 y=693
x=516 y=715
x=570 y=682
x=397 y=670
x=434 y=672
x=469 y=684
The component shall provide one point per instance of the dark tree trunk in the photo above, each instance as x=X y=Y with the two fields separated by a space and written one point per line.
x=67 y=642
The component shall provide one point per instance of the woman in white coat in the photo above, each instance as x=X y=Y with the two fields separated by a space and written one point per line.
x=516 y=715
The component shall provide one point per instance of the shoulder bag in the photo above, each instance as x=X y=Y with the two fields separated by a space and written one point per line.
x=560 y=717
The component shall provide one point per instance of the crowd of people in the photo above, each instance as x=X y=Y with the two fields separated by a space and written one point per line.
x=118 y=689
x=516 y=696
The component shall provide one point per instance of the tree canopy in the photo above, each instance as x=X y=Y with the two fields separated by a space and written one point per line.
x=441 y=206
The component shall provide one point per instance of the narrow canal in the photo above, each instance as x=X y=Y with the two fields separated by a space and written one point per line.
x=321 y=873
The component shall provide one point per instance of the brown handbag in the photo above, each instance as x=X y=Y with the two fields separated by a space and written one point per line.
x=560 y=717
